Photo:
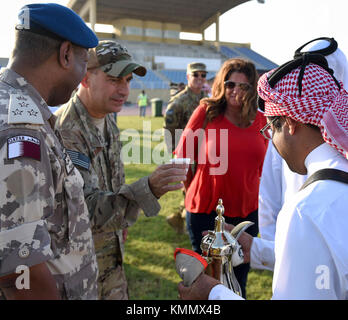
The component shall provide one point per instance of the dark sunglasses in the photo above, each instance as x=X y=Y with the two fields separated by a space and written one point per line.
x=196 y=75
x=241 y=85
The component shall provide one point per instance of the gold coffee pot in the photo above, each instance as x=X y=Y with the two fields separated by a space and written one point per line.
x=222 y=251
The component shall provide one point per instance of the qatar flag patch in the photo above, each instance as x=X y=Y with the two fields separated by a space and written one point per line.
x=23 y=146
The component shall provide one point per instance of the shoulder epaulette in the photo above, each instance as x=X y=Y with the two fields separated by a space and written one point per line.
x=22 y=109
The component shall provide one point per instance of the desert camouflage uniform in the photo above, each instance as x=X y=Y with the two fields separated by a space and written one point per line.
x=43 y=215
x=112 y=204
x=178 y=113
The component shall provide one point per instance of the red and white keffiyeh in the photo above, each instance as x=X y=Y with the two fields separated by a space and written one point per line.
x=321 y=103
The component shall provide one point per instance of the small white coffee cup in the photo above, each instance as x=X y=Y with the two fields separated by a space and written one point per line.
x=180 y=161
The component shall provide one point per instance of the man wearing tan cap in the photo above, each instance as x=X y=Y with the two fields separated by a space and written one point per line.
x=178 y=112
x=182 y=105
x=91 y=137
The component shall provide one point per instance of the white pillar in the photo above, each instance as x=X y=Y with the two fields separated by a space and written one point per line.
x=93 y=13
x=217 y=31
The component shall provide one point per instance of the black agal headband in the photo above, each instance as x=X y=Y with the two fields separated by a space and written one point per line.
x=331 y=48
x=302 y=61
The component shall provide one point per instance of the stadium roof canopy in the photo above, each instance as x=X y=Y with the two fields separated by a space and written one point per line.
x=192 y=15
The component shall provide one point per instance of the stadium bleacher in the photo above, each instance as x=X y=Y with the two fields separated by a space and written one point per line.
x=159 y=77
x=262 y=64
x=175 y=76
x=135 y=84
x=149 y=81
x=141 y=50
x=165 y=61
x=178 y=76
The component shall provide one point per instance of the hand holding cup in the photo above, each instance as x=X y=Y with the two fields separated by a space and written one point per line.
x=168 y=177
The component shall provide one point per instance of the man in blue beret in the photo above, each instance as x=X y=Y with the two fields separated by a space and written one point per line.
x=46 y=244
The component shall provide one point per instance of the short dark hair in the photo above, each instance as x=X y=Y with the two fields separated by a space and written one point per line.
x=34 y=48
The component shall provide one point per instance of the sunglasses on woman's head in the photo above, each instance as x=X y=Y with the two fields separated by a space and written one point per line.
x=242 y=85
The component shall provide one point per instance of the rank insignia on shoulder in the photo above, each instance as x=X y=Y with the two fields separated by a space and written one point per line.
x=79 y=159
x=23 y=146
x=22 y=109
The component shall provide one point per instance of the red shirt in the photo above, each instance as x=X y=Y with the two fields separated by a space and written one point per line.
x=229 y=164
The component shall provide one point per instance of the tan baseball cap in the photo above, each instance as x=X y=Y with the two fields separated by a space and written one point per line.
x=113 y=59
x=196 y=66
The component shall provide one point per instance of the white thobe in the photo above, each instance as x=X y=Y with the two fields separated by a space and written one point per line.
x=310 y=248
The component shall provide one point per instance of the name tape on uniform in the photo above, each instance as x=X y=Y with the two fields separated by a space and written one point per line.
x=23 y=146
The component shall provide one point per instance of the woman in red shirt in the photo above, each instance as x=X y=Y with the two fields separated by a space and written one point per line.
x=223 y=137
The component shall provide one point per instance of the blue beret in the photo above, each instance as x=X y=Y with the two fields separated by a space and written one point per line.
x=59 y=20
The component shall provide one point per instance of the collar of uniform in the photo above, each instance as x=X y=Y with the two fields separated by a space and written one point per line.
x=194 y=95
x=16 y=81
x=96 y=140
x=324 y=156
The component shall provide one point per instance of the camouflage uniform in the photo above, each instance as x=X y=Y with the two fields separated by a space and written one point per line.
x=175 y=88
x=178 y=113
x=112 y=204
x=43 y=215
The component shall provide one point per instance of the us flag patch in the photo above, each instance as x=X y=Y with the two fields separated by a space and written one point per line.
x=23 y=146
x=78 y=159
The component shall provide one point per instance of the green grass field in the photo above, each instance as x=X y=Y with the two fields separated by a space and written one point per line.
x=149 y=260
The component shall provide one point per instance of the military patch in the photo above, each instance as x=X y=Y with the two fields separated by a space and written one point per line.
x=79 y=159
x=24 y=252
x=23 y=146
x=69 y=166
x=22 y=109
